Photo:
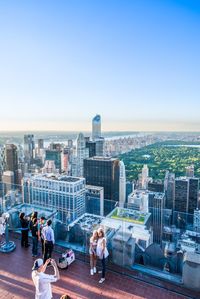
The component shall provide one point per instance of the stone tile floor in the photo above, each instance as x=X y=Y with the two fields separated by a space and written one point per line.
x=15 y=281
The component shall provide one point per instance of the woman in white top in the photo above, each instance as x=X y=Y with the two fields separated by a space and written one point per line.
x=93 y=252
x=102 y=252
x=2 y=228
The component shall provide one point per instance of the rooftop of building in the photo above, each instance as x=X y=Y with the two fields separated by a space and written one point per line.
x=57 y=177
x=96 y=188
x=99 y=158
x=185 y=178
x=87 y=221
x=16 y=283
x=129 y=215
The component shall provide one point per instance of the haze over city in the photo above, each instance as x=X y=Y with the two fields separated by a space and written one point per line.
x=134 y=62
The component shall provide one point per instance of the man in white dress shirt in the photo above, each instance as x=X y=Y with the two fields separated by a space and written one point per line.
x=49 y=240
x=41 y=280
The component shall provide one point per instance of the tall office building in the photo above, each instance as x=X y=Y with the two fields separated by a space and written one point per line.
x=29 y=146
x=169 y=189
x=196 y=223
x=99 y=147
x=122 y=184
x=96 y=127
x=2 y=161
x=8 y=181
x=186 y=194
x=96 y=136
x=145 y=177
x=54 y=155
x=40 y=148
x=70 y=143
x=104 y=172
x=193 y=194
x=11 y=159
x=40 y=144
x=81 y=153
x=156 y=208
x=91 y=145
x=65 y=159
x=181 y=195
x=66 y=194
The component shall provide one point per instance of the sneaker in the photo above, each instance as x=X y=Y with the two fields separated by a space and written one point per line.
x=101 y=280
x=95 y=270
x=100 y=272
x=91 y=272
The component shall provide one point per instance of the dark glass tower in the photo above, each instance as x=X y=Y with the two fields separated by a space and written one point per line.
x=104 y=172
x=11 y=159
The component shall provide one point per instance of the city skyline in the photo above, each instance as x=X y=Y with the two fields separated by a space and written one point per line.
x=136 y=63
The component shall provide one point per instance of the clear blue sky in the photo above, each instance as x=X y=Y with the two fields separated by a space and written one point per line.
x=136 y=62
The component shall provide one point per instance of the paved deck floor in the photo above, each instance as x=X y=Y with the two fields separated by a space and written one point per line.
x=15 y=281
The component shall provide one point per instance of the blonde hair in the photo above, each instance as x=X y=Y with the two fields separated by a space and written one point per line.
x=100 y=230
x=95 y=232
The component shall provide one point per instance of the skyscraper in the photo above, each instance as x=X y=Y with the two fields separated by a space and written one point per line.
x=29 y=146
x=91 y=145
x=96 y=127
x=11 y=159
x=186 y=194
x=145 y=177
x=81 y=153
x=181 y=195
x=54 y=155
x=193 y=194
x=122 y=184
x=2 y=161
x=169 y=188
x=156 y=208
x=104 y=172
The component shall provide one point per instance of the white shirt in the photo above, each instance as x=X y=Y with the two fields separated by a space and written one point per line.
x=48 y=234
x=42 y=282
x=100 y=251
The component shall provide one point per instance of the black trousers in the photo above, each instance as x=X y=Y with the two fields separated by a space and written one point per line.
x=42 y=244
x=24 y=238
x=48 y=248
x=103 y=263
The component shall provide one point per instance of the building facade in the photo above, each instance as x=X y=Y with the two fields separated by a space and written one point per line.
x=11 y=159
x=94 y=200
x=29 y=146
x=63 y=193
x=104 y=172
x=96 y=127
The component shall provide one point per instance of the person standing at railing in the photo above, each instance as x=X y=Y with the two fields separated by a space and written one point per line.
x=93 y=252
x=41 y=225
x=49 y=240
x=33 y=216
x=24 y=230
x=34 y=232
x=102 y=252
x=2 y=229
